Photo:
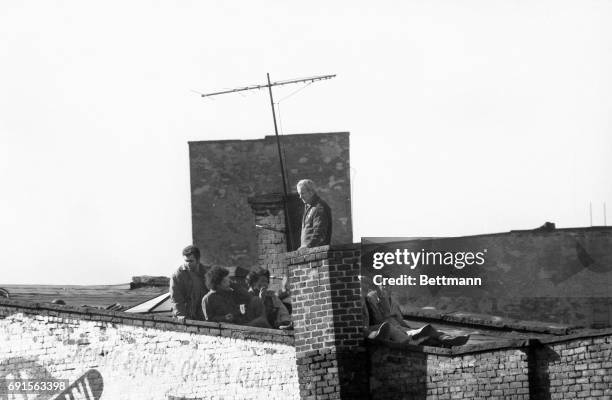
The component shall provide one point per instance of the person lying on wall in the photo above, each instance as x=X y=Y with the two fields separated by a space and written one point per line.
x=232 y=305
x=384 y=322
x=277 y=315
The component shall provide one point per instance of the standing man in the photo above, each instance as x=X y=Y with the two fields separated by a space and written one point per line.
x=316 y=221
x=188 y=286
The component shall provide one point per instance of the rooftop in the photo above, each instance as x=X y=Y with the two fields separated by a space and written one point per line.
x=80 y=295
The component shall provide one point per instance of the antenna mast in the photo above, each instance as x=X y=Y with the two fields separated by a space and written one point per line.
x=278 y=144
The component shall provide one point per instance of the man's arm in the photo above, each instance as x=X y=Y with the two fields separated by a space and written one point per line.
x=178 y=297
x=284 y=291
x=282 y=317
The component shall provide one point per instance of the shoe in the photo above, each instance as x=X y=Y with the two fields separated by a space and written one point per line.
x=423 y=332
x=286 y=327
x=449 y=341
x=381 y=333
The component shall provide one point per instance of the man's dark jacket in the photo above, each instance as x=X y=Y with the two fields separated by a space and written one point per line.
x=316 y=223
x=187 y=288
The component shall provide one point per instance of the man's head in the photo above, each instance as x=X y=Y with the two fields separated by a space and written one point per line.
x=191 y=255
x=258 y=279
x=217 y=278
x=306 y=190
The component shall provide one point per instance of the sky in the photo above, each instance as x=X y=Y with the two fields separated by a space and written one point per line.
x=465 y=117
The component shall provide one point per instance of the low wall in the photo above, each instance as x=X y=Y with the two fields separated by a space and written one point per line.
x=569 y=367
x=574 y=367
x=400 y=373
x=142 y=357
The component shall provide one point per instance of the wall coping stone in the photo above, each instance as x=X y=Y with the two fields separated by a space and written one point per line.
x=207 y=328
x=523 y=232
x=584 y=334
x=504 y=344
x=301 y=256
x=268 y=137
x=490 y=321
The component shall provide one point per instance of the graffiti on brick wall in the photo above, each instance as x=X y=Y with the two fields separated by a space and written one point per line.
x=88 y=387
x=140 y=362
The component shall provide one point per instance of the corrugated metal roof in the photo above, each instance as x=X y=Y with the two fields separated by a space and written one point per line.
x=79 y=295
x=159 y=305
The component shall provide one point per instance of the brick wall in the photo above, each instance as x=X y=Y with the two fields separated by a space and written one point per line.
x=568 y=367
x=399 y=373
x=224 y=174
x=271 y=240
x=329 y=344
x=574 y=367
x=146 y=358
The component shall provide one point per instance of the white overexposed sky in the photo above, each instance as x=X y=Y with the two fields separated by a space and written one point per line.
x=466 y=117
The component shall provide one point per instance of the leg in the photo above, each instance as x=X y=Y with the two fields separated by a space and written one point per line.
x=430 y=336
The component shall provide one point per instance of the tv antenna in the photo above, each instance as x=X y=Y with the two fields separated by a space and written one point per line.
x=269 y=85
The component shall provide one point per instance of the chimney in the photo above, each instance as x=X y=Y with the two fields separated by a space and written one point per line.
x=271 y=234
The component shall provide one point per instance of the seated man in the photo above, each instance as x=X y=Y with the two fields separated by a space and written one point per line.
x=385 y=322
x=224 y=304
x=277 y=315
x=284 y=294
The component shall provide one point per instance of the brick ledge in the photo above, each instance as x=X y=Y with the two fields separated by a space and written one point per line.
x=165 y=323
x=495 y=346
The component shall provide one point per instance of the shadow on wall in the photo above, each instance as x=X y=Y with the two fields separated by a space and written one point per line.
x=539 y=357
x=409 y=376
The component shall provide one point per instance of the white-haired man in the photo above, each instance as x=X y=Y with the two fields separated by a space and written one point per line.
x=316 y=221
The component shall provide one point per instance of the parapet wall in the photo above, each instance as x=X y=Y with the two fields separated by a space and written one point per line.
x=579 y=366
x=144 y=357
x=570 y=367
x=401 y=373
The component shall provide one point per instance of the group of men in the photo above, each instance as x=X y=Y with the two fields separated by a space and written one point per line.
x=203 y=292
